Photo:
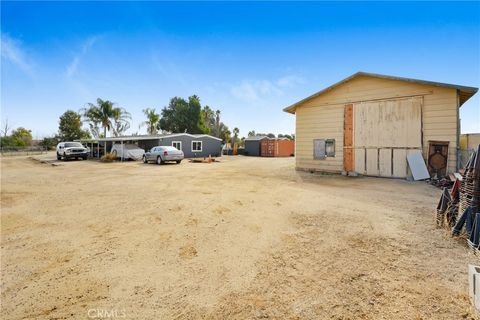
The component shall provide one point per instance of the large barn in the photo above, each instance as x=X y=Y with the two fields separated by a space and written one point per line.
x=368 y=124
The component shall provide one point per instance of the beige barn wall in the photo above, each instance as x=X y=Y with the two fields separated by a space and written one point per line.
x=325 y=122
x=322 y=117
x=440 y=114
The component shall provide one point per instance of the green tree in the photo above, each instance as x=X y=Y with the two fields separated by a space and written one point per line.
x=153 y=119
x=251 y=133
x=6 y=141
x=225 y=134
x=242 y=142
x=219 y=129
x=208 y=118
x=182 y=116
x=195 y=109
x=22 y=137
x=70 y=127
x=106 y=116
x=49 y=143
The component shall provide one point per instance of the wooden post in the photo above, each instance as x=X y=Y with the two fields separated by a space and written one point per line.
x=122 y=151
x=348 y=152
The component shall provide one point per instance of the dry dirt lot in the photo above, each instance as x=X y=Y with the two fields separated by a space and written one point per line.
x=244 y=238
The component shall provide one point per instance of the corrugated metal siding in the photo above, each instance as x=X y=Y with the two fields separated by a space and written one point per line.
x=252 y=148
x=322 y=117
x=277 y=148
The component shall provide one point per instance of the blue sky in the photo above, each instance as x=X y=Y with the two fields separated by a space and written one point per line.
x=247 y=59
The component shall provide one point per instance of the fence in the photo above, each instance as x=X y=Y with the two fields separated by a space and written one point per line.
x=463 y=156
x=22 y=151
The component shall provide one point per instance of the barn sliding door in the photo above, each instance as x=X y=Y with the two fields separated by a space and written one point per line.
x=385 y=132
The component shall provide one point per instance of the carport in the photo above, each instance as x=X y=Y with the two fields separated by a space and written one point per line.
x=104 y=144
x=192 y=145
x=144 y=142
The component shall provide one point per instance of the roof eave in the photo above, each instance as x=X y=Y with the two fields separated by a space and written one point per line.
x=466 y=95
x=290 y=109
x=469 y=90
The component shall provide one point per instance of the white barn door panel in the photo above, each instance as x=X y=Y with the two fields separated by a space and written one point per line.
x=372 y=162
x=399 y=163
x=385 y=162
x=383 y=132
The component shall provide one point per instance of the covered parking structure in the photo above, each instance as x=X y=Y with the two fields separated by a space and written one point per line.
x=192 y=145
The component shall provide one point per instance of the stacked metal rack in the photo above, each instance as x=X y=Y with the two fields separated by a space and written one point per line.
x=469 y=202
x=447 y=208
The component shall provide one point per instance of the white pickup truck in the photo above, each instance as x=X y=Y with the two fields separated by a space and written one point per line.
x=71 y=150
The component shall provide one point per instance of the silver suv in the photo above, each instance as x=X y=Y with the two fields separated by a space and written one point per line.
x=70 y=150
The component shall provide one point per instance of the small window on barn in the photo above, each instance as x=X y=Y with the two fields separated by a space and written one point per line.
x=323 y=148
x=196 y=146
x=330 y=147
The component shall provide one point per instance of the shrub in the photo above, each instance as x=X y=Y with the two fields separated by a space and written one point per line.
x=49 y=143
x=109 y=157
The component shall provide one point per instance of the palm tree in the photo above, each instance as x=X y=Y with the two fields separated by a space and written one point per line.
x=236 y=131
x=101 y=115
x=226 y=134
x=208 y=120
x=153 y=119
x=121 y=123
x=217 y=124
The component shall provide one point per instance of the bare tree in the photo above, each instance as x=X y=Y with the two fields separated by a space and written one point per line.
x=5 y=127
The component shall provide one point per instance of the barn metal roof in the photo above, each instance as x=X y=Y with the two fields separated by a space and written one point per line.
x=464 y=92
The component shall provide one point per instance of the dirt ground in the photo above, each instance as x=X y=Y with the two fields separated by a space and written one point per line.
x=244 y=238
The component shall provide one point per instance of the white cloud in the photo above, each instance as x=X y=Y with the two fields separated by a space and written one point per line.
x=256 y=90
x=12 y=52
x=72 y=67
x=169 y=69
x=89 y=43
x=244 y=91
x=290 y=81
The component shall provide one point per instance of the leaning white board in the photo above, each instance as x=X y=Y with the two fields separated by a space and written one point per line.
x=417 y=165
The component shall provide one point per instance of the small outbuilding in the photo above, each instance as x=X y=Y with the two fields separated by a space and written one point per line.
x=368 y=124
x=253 y=145
x=280 y=147
x=192 y=145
